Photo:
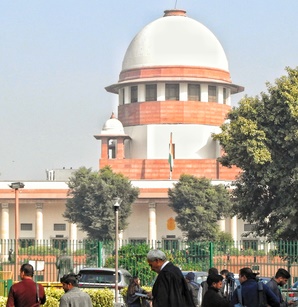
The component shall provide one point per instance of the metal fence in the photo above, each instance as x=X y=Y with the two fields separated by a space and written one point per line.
x=53 y=258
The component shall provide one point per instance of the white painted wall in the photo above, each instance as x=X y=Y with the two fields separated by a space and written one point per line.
x=152 y=142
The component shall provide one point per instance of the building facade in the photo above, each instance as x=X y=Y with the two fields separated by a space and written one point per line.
x=174 y=84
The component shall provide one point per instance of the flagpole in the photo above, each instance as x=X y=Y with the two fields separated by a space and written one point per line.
x=171 y=156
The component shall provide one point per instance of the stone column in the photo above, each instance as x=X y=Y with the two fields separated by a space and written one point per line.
x=120 y=148
x=222 y=225
x=5 y=222
x=4 y=231
x=234 y=224
x=39 y=222
x=73 y=236
x=104 y=148
x=152 y=224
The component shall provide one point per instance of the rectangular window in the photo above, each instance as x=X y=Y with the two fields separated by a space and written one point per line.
x=151 y=92
x=250 y=244
x=59 y=227
x=172 y=91
x=134 y=94
x=59 y=243
x=212 y=97
x=194 y=92
x=26 y=227
x=248 y=227
x=171 y=245
x=136 y=241
x=24 y=243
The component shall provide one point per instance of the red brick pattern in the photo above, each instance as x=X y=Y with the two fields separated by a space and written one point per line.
x=158 y=169
x=172 y=112
x=175 y=71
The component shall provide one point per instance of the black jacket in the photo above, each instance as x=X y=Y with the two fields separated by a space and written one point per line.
x=170 y=288
x=213 y=298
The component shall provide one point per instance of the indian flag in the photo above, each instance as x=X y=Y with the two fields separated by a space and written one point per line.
x=171 y=154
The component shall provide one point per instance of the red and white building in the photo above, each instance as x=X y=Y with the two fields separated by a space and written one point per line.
x=174 y=80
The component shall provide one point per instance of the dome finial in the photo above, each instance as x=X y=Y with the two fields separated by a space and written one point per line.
x=113 y=115
x=174 y=12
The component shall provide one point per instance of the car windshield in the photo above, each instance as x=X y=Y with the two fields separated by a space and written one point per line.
x=98 y=277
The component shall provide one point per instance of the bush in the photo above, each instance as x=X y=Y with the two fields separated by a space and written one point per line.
x=3 y=301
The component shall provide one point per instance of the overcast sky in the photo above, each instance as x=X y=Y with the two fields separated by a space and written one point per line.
x=56 y=57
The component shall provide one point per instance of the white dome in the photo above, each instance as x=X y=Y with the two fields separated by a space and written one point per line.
x=175 y=40
x=112 y=126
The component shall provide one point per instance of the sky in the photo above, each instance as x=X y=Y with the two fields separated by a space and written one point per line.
x=57 y=57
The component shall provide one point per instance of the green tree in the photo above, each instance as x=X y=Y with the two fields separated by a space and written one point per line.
x=199 y=205
x=91 y=202
x=261 y=138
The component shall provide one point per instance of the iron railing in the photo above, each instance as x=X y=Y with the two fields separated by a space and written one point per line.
x=53 y=257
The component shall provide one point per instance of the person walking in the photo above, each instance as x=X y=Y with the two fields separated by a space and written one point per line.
x=280 y=279
x=26 y=293
x=193 y=287
x=73 y=297
x=250 y=293
x=170 y=288
x=213 y=296
x=134 y=288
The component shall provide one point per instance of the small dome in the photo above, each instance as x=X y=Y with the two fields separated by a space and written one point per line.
x=112 y=126
x=175 y=40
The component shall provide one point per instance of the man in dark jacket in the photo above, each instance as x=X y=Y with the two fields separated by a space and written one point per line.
x=170 y=288
x=250 y=293
x=280 y=279
x=26 y=293
x=213 y=297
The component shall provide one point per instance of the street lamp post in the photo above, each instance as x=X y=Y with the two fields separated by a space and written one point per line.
x=16 y=186
x=116 y=208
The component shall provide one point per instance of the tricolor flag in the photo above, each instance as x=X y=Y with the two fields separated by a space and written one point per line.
x=171 y=154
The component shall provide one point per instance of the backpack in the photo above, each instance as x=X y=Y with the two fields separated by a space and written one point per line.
x=261 y=302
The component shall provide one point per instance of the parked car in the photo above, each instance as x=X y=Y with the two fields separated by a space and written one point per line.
x=263 y=279
x=293 y=291
x=103 y=278
x=199 y=275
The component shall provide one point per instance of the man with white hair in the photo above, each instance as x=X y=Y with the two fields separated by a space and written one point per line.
x=170 y=288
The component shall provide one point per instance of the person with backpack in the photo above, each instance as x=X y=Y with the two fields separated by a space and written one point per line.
x=193 y=287
x=252 y=293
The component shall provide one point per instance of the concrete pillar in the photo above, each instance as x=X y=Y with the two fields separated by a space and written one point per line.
x=204 y=92
x=39 y=222
x=73 y=236
x=234 y=228
x=152 y=224
x=141 y=92
x=161 y=92
x=222 y=225
x=4 y=231
x=183 y=91
x=104 y=148
x=120 y=148
x=5 y=222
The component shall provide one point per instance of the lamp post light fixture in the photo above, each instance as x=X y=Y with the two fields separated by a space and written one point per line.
x=16 y=186
x=117 y=202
